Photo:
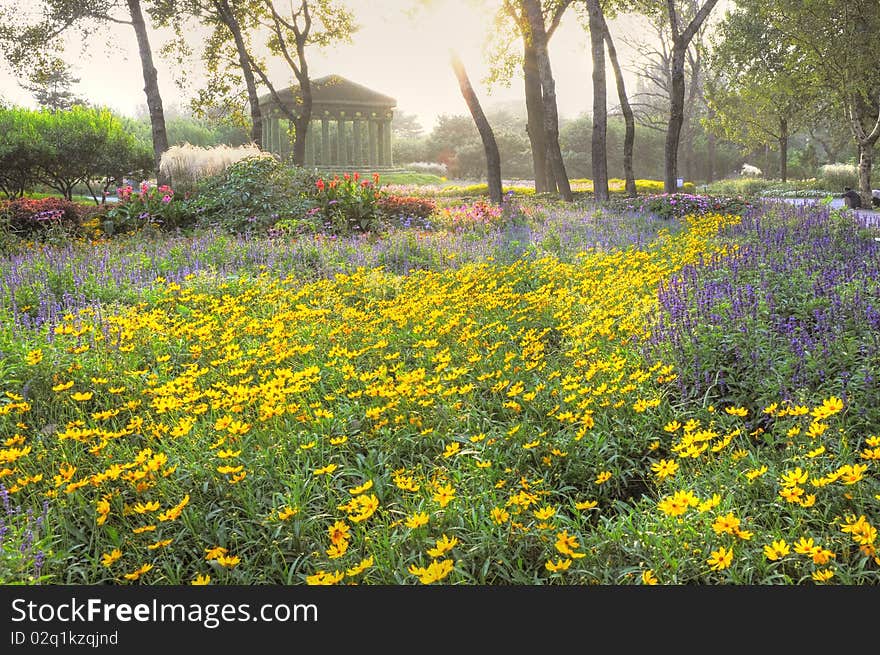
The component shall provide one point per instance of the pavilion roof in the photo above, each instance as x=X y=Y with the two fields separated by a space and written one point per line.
x=333 y=91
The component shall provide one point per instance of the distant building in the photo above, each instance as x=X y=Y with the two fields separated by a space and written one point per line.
x=350 y=126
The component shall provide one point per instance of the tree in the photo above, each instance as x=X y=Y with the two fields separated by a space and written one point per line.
x=493 y=159
x=229 y=21
x=760 y=89
x=837 y=40
x=627 y=113
x=306 y=23
x=21 y=150
x=50 y=84
x=681 y=32
x=27 y=43
x=505 y=63
x=599 y=151
x=538 y=37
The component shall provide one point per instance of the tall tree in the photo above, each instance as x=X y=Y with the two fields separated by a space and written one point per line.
x=50 y=83
x=538 y=35
x=627 y=112
x=505 y=62
x=759 y=89
x=26 y=42
x=837 y=39
x=684 y=19
x=292 y=31
x=493 y=159
x=230 y=22
x=599 y=151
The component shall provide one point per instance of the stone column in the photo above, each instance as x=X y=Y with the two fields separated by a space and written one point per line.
x=383 y=153
x=358 y=159
x=374 y=143
x=389 y=159
x=264 y=134
x=325 y=141
x=310 y=144
x=341 y=154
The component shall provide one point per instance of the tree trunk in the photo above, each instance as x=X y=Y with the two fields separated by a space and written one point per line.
x=535 y=20
x=783 y=149
x=710 y=151
x=628 y=118
x=151 y=87
x=599 y=150
x=229 y=19
x=676 y=119
x=535 y=120
x=866 y=161
x=493 y=159
x=304 y=115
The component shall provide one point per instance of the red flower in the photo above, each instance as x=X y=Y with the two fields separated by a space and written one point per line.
x=347 y=177
x=356 y=176
x=320 y=184
x=376 y=178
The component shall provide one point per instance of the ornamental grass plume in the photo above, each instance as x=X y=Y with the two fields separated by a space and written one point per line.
x=186 y=164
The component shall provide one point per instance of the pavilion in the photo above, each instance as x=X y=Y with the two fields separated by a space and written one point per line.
x=350 y=126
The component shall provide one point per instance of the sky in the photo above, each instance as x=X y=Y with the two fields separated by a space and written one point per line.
x=396 y=51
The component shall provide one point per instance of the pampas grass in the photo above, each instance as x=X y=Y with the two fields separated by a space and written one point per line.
x=186 y=164
x=837 y=176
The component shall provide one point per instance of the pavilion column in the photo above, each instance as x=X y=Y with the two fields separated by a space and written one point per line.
x=310 y=144
x=340 y=142
x=383 y=154
x=264 y=131
x=387 y=129
x=325 y=141
x=276 y=136
x=374 y=143
x=358 y=159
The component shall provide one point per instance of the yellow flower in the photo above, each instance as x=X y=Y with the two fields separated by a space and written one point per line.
x=324 y=578
x=603 y=477
x=678 y=503
x=452 y=449
x=361 y=507
x=665 y=468
x=444 y=494
x=417 y=520
x=366 y=486
x=776 y=550
x=286 y=513
x=107 y=559
x=756 y=473
x=648 y=577
x=134 y=575
x=500 y=515
x=339 y=532
x=558 y=565
x=82 y=396
x=586 y=504
x=544 y=513
x=829 y=407
x=434 y=572
x=793 y=478
x=34 y=357
x=103 y=509
x=159 y=544
x=202 y=579
x=805 y=546
x=720 y=559
x=360 y=567
x=442 y=545
x=728 y=524
x=567 y=544
x=823 y=575
x=325 y=470
x=672 y=426
x=214 y=552
x=228 y=561
x=737 y=411
x=63 y=386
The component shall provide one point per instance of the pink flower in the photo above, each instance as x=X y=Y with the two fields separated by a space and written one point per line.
x=166 y=198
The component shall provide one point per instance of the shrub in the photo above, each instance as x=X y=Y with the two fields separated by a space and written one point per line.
x=26 y=216
x=679 y=205
x=348 y=204
x=186 y=164
x=406 y=206
x=476 y=216
x=837 y=176
x=159 y=207
x=428 y=167
x=253 y=194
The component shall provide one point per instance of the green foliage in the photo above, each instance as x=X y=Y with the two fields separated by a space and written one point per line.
x=64 y=149
x=26 y=217
x=153 y=207
x=348 y=204
x=253 y=194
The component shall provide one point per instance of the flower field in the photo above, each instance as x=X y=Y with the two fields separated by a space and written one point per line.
x=564 y=396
